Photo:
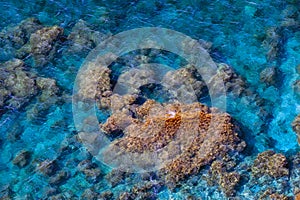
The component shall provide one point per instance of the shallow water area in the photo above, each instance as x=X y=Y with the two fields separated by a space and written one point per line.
x=254 y=47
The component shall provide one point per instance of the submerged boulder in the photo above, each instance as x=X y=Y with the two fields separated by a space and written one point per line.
x=91 y=171
x=19 y=85
x=6 y=193
x=16 y=83
x=115 y=177
x=42 y=44
x=19 y=35
x=296 y=127
x=233 y=82
x=296 y=88
x=89 y=194
x=59 y=178
x=185 y=84
x=268 y=76
x=219 y=175
x=22 y=158
x=270 y=163
x=94 y=80
x=48 y=167
x=83 y=38
x=272 y=194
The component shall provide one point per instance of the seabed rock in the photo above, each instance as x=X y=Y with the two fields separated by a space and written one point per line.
x=42 y=44
x=270 y=163
x=268 y=76
x=6 y=193
x=90 y=170
x=48 y=167
x=17 y=85
x=19 y=35
x=89 y=194
x=116 y=177
x=296 y=127
x=59 y=178
x=22 y=158
x=83 y=38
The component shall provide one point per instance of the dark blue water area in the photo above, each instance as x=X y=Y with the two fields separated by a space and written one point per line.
x=249 y=36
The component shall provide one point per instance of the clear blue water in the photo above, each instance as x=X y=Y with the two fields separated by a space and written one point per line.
x=240 y=33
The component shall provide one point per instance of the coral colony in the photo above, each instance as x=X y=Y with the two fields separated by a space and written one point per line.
x=157 y=132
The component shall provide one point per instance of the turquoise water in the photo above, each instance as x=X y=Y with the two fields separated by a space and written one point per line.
x=249 y=36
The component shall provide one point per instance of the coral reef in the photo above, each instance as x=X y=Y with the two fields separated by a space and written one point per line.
x=210 y=136
x=152 y=126
x=125 y=196
x=117 y=122
x=294 y=175
x=49 y=89
x=117 y=103
x=93 y=195
x=270 y=163
x=64 y=196
x=290 y=14
x=107 y=195
x=161 y=128
x=15 y=132
x=228 y=182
